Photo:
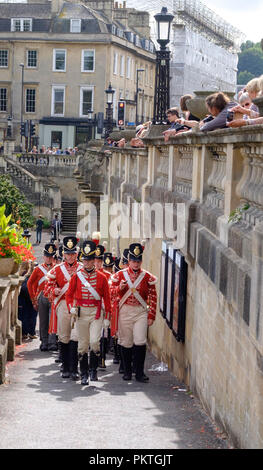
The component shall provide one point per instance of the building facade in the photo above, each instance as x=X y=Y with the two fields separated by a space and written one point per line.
x=56 y=60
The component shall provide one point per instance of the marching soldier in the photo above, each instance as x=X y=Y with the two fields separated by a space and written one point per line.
x=125 y=260
x=87 y=289
x=137 y=309
x=36 y=284
x=56 y=288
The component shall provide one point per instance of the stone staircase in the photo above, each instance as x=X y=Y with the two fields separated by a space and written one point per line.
x=69 y=216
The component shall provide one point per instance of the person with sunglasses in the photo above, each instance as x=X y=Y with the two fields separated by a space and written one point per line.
x=246 y=107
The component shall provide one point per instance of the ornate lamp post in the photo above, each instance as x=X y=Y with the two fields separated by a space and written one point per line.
x=136 y=94
x=9 y=126
x=162 y=77
x=109 y=111
x=22 y=101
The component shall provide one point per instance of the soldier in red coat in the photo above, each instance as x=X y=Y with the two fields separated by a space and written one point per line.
x=36 y=284
x=99 y=265
x=137 y=309
x=56 y=288
x=88 y=288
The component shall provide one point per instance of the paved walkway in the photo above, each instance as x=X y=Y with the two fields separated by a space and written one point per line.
x=40 y=410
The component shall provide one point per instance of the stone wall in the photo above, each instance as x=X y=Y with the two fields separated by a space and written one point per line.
x=10 y=326
x=221 y=359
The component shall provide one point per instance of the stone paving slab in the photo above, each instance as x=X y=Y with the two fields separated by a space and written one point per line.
x=40 y=410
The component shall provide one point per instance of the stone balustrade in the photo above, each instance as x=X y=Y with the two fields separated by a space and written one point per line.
x=213 y=174
x=10 y=326
x=42 y=159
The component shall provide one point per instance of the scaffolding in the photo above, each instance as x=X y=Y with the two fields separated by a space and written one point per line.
x=197 y=17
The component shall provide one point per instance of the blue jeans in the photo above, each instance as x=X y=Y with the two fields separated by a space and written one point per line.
x=39 y=233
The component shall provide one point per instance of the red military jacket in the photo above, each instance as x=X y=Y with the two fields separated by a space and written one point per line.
x=59 y=276
x=146 y=289
x=78 y=295
x=37 y=281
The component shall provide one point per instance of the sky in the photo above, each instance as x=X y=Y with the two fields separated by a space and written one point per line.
x=245 y=15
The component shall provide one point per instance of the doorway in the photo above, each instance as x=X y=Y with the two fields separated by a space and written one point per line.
x=56 y=139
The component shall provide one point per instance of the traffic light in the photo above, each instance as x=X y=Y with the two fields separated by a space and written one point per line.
x=32 y=129
x=22 y=129
x=121 y=113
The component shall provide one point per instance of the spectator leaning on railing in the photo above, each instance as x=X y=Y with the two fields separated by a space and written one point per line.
x=218 y=105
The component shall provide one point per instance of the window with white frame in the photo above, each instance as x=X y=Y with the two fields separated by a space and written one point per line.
x=128 y=68
x=59 y=60
x=115 y=63
x=86 y=100
x=3 y=99
x=21 y=24
x=75 y=26
x=88 y=60
x=122 y=66
x=31 y=59
x=3 y=58
x=58 y=100
x=30 y=100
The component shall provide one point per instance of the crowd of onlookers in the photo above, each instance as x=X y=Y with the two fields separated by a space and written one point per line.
x=222 y=112
x=54 y=150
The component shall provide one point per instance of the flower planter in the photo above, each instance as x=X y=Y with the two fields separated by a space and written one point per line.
x=197 y=105
x=6 y=266
x=15 y=268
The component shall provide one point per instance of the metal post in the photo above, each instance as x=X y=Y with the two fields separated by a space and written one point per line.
x=22 y=101
x=136 y=95
x=109 y=120
x=162 y=86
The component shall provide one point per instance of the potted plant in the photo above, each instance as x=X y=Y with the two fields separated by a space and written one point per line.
x=14 y=248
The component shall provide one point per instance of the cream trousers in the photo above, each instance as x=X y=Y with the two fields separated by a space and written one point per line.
x=132 y=326
x=89 y=330
x=65 y=333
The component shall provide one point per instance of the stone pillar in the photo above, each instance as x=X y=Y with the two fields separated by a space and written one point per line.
x=256 y=298
x=9 y=146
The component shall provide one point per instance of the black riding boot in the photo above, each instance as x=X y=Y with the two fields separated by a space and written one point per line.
x=133 y=360
x=59 y=358
x=65 y=361
x=94 y=360
x=103 y=350
x=121 y=369
x=73 y=360
x=84 y=368
x=116 y=359
x=139 y=358
x=127 y=359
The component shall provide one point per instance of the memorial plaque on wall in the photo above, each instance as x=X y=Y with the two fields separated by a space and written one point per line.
x=178 y=301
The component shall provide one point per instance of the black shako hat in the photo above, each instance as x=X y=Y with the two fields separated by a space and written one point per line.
x=125 y=255
x=108 y=260
x=50 y=250
x=70 y=245
x=99 y=252
x=88 y=250
x=135 y=252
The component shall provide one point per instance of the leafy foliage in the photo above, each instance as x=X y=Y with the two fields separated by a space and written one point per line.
x=250 y=62
x=15 y=203
x=236 y=215
x=12 y=243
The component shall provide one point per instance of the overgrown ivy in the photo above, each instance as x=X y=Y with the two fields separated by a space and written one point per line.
x=15 y=203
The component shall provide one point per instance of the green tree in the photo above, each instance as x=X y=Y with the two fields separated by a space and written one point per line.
x=244 y=77
x=15 y=203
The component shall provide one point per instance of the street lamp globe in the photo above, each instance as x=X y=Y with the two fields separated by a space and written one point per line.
x=163 y=20
x=109 y=94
